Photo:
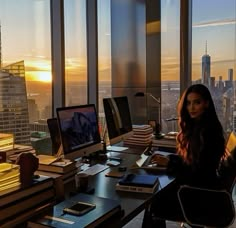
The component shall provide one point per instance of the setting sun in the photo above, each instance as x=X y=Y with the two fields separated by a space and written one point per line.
x=42 y=76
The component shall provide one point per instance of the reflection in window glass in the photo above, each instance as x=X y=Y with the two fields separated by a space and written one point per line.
x=104 y=55
x=170 y=63
x=75 y=52
x=213 y=54
x=25 y=62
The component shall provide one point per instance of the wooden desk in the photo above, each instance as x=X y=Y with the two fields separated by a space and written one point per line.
x=131 y=203
x=18 y=206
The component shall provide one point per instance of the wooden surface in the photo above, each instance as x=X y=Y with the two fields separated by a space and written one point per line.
x=131 y=203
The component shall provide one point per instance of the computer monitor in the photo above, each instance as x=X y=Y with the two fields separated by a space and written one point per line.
x=54 y=134
x=118 y=118
x=79 y=130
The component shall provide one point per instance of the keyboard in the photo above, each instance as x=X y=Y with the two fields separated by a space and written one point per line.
x=93 y=170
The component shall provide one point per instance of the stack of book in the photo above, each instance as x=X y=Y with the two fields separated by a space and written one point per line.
x=55 y=164
x=6 y=141
x=168 y=141
x=9 y=177
x=142 y=135
x=17 y=206
x=143 y=183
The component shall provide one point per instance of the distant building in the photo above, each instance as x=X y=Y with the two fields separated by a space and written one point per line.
x=206 y=68
x=234 y=108
x=39 y=126
x=14 y=117
x=33 y=111
x=221 y=84
x=230 y=74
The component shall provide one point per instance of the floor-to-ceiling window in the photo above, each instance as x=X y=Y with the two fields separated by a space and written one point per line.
x=104 y=50
x=25 y=66
x=170 y=62
x=213 y=54
x=75 y=52
x=104 y=56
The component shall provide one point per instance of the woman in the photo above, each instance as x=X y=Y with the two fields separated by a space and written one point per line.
x=200 y=147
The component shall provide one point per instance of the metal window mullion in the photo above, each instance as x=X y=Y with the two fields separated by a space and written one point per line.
x=92 y=51
x=185 y=44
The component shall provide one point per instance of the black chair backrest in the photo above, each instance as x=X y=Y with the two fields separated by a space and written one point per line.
x=213 y=208
x=227 y=170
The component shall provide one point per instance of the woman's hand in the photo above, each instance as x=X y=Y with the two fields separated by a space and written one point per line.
x=160 y=160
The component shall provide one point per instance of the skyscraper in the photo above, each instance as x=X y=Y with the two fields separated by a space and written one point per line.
x=14 y=117
x=206 y=67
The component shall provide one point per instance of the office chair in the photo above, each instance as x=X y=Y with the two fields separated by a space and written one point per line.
x=212 y=208
x=206 y=207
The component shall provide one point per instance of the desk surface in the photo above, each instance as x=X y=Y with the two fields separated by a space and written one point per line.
x=131 y=203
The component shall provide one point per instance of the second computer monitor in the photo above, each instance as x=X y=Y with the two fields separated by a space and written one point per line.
x=118 y=118
x=54 y=134
x=79 y=130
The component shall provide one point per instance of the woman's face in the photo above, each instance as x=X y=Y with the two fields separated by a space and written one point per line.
x=196 y=105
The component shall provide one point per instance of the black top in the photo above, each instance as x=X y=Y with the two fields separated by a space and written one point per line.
x=207 y=147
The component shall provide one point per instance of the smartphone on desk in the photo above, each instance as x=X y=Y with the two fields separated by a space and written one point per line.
x=80 y=208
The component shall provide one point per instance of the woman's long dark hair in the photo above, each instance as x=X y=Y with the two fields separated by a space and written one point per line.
x=186 y=123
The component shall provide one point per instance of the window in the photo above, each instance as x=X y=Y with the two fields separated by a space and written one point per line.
x=75 y=52
x=213 y=54
x=25 y=74
x=170 y=71
x=104 y=56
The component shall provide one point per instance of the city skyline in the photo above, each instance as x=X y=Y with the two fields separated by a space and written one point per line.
x=216 y=25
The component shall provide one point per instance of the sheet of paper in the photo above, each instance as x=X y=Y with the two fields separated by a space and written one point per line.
x=117 y=148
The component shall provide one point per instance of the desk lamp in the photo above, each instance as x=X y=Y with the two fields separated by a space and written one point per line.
x=158 y=133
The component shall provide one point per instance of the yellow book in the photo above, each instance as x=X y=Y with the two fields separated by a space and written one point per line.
x=9 y=183
x=8 y=171
x=11 y=187
x=10 y=180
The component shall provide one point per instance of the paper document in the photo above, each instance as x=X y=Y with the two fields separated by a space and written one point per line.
x=117 y=148
x=47 y=159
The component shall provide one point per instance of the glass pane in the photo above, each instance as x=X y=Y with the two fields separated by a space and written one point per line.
x=104 y=56
x=25 y=74
x=170 y=63
x=75 y=52
x=213 y=54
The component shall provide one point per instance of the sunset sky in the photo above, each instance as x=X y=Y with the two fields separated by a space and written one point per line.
x=25 y=29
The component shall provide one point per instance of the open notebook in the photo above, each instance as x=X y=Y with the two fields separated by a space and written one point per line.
x=47 y=159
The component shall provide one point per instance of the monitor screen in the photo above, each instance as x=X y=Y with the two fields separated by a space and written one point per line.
x=79 y=130
x=118 y=119
x=54 y=134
